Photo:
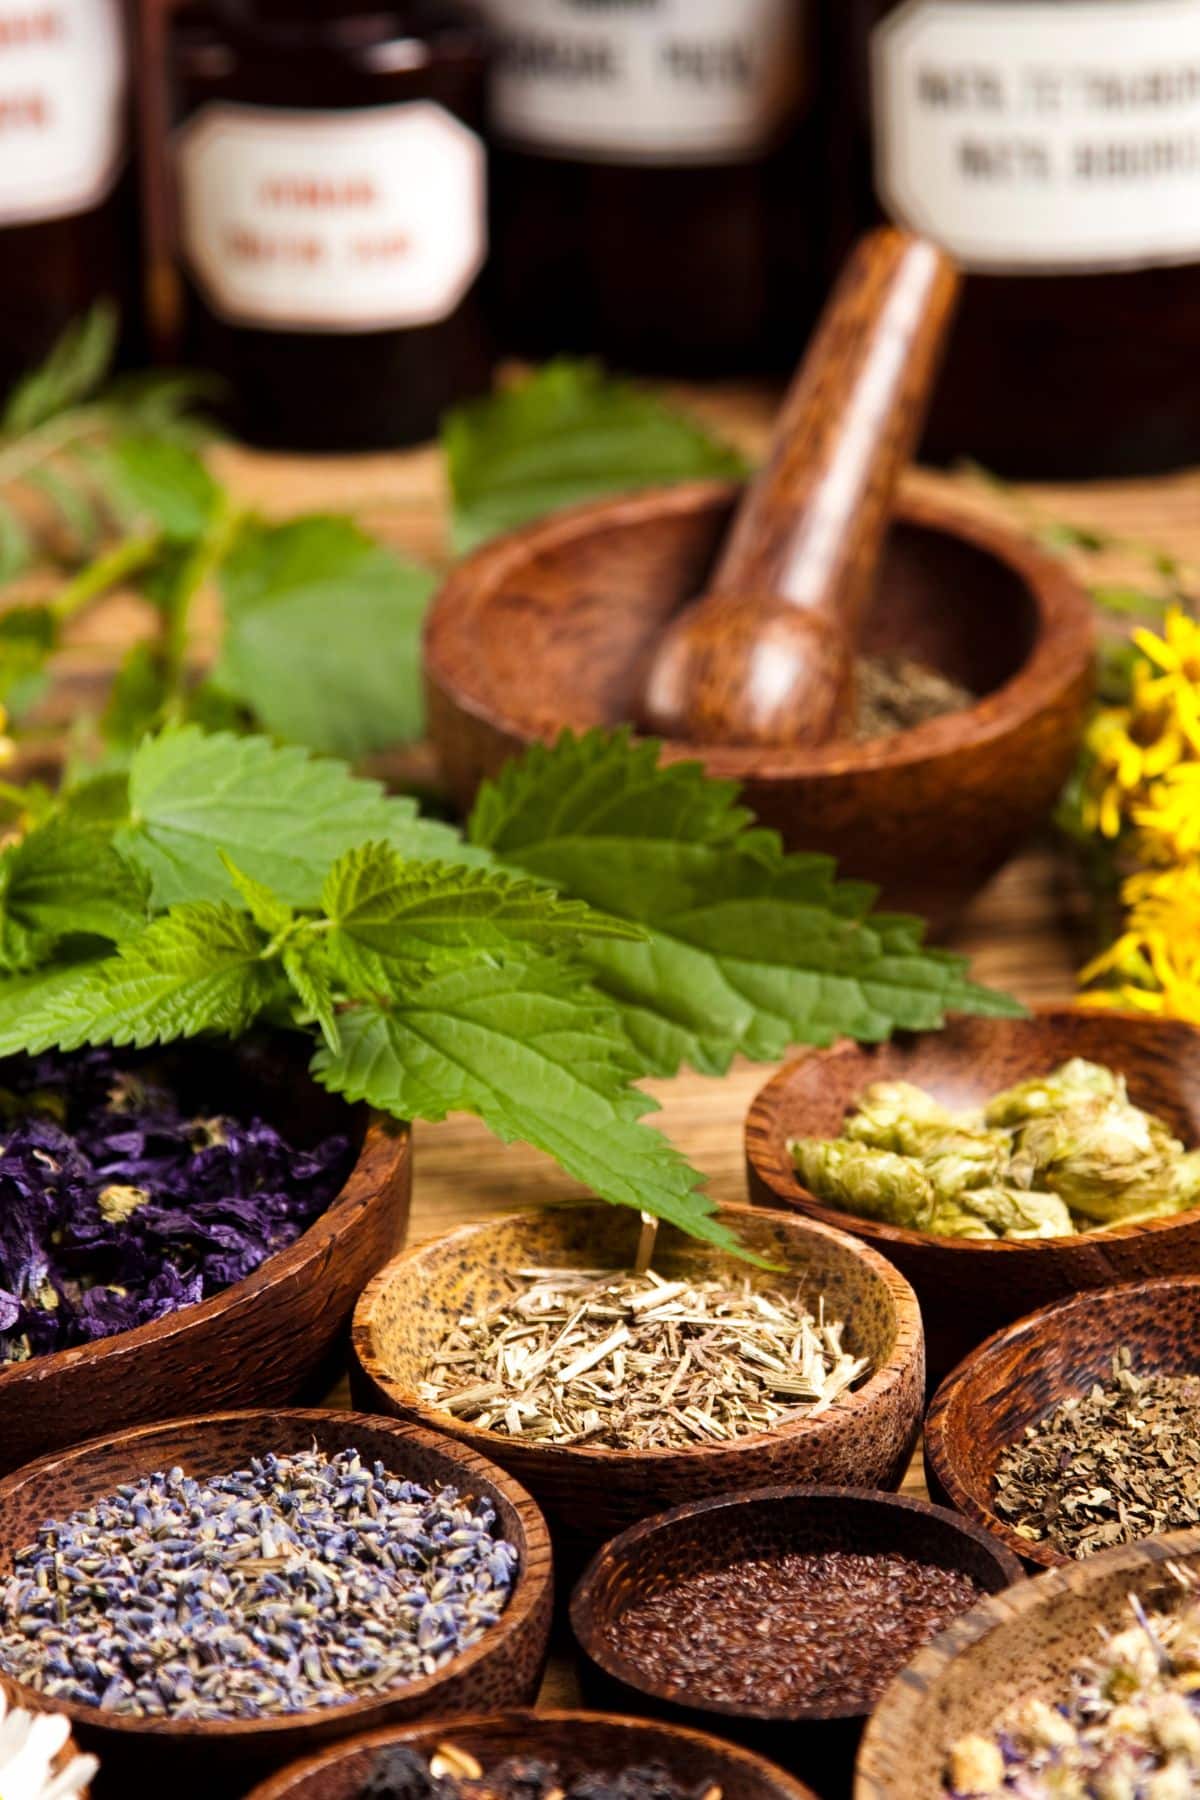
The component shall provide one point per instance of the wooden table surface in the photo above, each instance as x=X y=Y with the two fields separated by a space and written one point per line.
x=1026 y=933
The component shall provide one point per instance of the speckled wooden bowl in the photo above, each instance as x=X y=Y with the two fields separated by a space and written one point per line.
x=553 y=625
x=268 y=1338
x=864 y=1438
x=1018 y=1375
x=713 y=1534
x=577 y=1742
x=968 y=1288
x=503 y=1669
x=1021 y=1644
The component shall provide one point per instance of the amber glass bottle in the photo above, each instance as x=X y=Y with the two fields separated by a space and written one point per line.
x=65 y=194
x=1054 y=149
x=652 y=199
x=331 y=193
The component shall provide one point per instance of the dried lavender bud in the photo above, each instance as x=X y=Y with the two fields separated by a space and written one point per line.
x=301 y=1581
x=118 y=1207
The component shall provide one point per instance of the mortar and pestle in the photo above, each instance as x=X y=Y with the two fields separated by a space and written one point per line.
x=591 y=617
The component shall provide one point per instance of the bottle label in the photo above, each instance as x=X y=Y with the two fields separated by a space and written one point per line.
x=369 y=220
x=1042 y=136
x=62 y=98
x=665 y=81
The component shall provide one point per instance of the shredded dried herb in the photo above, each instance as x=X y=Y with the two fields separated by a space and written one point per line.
x=898 y=693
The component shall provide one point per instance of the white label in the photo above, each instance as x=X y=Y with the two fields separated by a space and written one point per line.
x=62 y=95
x=332 y=221
x=1040 y=137
x=672 y=81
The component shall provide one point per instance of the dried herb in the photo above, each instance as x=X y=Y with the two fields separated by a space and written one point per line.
x=454 y=1774
x=1118 y=1463
x=799 y=1629
x=1126 y=1728
x=587 y=1356
x=897 y=693
x=1060 y=1153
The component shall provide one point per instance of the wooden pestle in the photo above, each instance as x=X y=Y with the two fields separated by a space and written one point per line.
x=766 y=655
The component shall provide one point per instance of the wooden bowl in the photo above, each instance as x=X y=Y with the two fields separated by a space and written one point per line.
x=1021 y=1644
x=553 y=625
x=968 y=1288
x=715 y=1533
x=1021 y=1373
x=576 y=1741
x=504 y=1668
x=268 y=1338
x=864 y=1438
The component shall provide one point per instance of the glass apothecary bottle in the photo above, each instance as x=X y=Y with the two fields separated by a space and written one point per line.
x=652 y=196
x=1053 y=147
x=331 y=213
x=66 y=202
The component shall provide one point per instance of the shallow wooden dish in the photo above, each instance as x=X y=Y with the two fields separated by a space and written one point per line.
x=1018 y=1375
x=968 y=1289
x=1022 y=1643
x=267 y=1338
x=503 y=1669
x=552 y=626
x=576 y=1741
x=864 y=1438
x=714 y=1533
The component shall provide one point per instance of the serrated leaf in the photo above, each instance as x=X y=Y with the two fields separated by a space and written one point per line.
x=267 y=910
x=304 y=968
x=98 y=803
x=72 y=372
x=198 y=968
x=282 y=815
x=385 y=910
x=532 y=1050
x=568 y=433
x=59 y=880
x=323 y=635
x=32 y=1004
x=166 y=483
x=747 y=950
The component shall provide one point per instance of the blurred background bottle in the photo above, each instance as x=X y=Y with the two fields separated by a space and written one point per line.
x=331 y=194
x=1054 y=150
x=67 y=233
x=654 y=194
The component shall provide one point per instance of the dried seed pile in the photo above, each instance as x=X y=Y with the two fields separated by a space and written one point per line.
x=300 y=1581
x=1119 y=1463
x=454 y=1774
x=575 y=1356
x=800 y=1629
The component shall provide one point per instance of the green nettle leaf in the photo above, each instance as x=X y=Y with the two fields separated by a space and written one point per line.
x=385 y=910
x=99 y=803
x=567 y=434
x=747 y=950
x=282 y=816
x=269 y=912
x=197 y=968
x=33 y=1005
x=28 y=637
x=137 y=696
x=306 y=970
x=59 y=880
x=67 y=490
x=74 y=369
x=531 y=1049
x=167 y=483
x=323 y=635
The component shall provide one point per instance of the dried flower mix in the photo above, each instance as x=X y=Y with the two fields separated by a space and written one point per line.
x=300 y=1581
x=454 y=1774
x=1054 y=1155
x=118 y=1206
x=797 y=1629
x=1117 y=1463
x=30 y=1746
x=896 y=693
x=1127 y=1728
x=590 y=1356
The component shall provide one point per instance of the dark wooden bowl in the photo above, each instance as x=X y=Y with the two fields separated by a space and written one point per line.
x=268 y=1338
x=715 y=1533
x=553 y=626
x=1022 y=1644
x=1018 y=1375
x=588 y=1493
x=577 y=1742
x=969 y=1288
x=504 y=1668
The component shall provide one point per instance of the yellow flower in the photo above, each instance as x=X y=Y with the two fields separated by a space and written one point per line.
x=1168 y=819
x=1154 y=966
x=1177 y=652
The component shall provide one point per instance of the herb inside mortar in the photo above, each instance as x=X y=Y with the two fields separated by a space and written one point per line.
x=117 y=1206
x=898 y=693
